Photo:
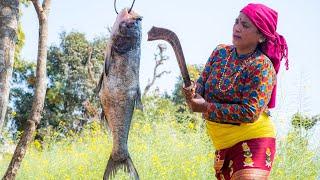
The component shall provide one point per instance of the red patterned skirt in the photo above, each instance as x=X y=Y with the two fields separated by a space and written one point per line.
x=250 y=159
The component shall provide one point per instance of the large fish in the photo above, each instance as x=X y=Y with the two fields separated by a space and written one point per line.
x=119 y=88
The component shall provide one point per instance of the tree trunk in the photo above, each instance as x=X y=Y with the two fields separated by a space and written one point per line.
x=9 y=13
x=40 y=91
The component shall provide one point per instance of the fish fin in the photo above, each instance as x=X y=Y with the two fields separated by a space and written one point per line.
x=126 y=164
x=98 y=88
x=104 y=121
x=106 y=67
x=138 y=102
x=107 y=60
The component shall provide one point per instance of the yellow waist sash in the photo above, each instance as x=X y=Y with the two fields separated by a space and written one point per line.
x=226 y=135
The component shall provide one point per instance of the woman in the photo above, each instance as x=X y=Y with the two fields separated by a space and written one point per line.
x=234 y=92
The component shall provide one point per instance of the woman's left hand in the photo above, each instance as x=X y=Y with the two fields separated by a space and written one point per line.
x=198 y=104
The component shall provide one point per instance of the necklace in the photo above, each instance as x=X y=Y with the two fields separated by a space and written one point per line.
x=237 y=71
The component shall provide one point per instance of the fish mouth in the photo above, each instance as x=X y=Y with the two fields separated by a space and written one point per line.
x=128 y=36
x=236 y=36
x=130 y=27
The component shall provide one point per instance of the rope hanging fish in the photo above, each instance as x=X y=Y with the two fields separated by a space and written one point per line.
x=115 y=6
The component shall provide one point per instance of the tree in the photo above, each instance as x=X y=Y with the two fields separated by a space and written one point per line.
x=22 y=91
x=40 y=90
x=73 y=69
x=9 y=15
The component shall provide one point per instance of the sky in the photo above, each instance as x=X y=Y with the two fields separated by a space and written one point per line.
x=200 y=25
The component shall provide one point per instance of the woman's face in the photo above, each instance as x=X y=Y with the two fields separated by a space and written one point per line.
x=245 y=33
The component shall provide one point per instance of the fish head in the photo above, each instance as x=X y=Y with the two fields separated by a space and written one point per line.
x=126 y=36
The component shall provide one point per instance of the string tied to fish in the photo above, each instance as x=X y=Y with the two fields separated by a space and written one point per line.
x=115 y=6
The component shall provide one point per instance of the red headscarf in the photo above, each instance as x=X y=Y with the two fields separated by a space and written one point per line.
x=275 y=46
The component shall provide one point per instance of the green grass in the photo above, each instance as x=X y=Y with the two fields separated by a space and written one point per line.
x=159 y=151
x=295 y=160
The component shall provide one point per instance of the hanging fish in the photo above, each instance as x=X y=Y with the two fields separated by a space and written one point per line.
x=119 y=90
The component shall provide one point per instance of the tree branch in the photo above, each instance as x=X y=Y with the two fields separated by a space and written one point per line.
x=91 y=76
x=46 y=4
x=37 y=7
x=159 y=62
x=163 y=72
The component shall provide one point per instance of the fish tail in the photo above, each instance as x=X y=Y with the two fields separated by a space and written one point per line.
x=113 y=166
